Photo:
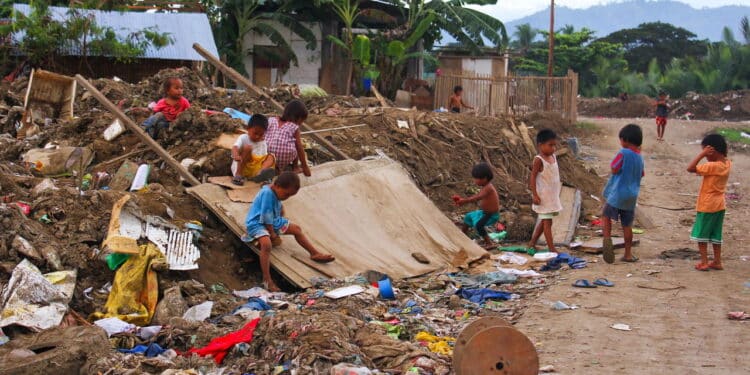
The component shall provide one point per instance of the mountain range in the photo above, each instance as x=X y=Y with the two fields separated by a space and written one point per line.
x=706 y=23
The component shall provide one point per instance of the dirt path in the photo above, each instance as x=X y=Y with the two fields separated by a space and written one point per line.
x=679 y=331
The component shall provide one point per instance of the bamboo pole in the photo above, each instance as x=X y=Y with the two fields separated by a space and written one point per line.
x=132 y=126
x=240 y=79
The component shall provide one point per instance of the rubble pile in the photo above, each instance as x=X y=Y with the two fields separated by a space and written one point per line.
x=725 y=106
x=59 y=222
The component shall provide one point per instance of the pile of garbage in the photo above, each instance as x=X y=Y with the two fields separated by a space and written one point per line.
x=105 y=311
x=725 y=106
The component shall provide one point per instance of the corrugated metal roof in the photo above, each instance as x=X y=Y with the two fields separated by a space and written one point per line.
x=184 y=28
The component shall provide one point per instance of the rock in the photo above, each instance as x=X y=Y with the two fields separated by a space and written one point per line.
x=420 y=258
x=23 y=246
x=171 y=305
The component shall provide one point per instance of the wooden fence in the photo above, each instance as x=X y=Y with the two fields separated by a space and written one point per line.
x=492 y=96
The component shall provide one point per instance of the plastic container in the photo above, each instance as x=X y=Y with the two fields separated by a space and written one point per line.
x=386 y=289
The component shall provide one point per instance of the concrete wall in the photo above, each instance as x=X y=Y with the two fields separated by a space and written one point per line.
x=478 y=66
x=308 y=71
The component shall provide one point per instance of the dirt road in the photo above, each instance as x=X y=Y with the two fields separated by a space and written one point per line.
x=682 y=329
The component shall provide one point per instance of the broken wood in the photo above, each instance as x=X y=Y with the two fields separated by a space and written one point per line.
x=121 y=157
x=332 y=129
x=381 y=99
x=132 y=126
x=240 y=79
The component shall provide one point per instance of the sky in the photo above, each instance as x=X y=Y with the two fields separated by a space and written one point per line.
x=509 y=10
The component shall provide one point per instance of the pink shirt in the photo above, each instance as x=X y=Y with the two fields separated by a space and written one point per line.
x=281 y=141
x=171 y=111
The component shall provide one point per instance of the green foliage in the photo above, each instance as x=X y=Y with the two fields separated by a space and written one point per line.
x=524 y=37
x=361 y=49
x=656 y=40
x=734 y=135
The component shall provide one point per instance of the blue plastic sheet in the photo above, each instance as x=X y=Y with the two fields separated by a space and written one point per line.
x=564 y=258
x=483 y=294
x=149 y=351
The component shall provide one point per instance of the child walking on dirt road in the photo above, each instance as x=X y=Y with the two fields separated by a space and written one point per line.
x=711 y=205
x=621 y=192
x=265 y=223
x=250 y=154
x=662 y=110
x=285 y=140
x=168 y=108
x=489 y=204
x=545 y=187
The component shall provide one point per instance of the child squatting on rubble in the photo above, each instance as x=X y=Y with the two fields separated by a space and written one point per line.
x=250 y=154
x=265 y=223
x=284 y=138
x=545 y=187
x=621 y=192
x=168 y=108
x=711 y=205
x=489 y=204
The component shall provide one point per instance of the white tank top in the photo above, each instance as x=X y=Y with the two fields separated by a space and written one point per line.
x=548 y=187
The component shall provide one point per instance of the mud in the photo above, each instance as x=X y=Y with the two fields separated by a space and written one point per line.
x=725 y=106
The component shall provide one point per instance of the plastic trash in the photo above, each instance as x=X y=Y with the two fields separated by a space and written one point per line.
x=349 y=369
x=386 y=289
x=621 y=327
x=114 y=326
x=560 y=305
x=141 y=177
x=345 y=291
x=199 y=313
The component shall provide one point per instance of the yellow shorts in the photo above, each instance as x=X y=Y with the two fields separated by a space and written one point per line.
x=252 y=168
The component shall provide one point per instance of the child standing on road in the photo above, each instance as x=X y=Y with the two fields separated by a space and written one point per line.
x=265 y=223
x=285 y=140
x=709 y=219
x=250 y=154
x=662 y=109
x=456 y=101
x=168 y=108
x=621 y=192
x=489 y=204
x=545 y=187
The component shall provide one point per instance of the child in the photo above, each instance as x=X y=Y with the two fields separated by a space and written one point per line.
x=250 y=154
x=545 y=187
x=709 y=218
x=265 y=223
x=489 y=204
x=284 y=139
x=621 y=192
x=456 y=101
x=167 y=109
x=662 y=108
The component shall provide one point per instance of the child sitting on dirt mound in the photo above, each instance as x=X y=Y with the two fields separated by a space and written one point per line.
x=709 y=219
x=167 y=109
x=285 y=141
x=250 y=154
x=489 y=204
x=265 y=223
x=621 y=192
x=545 y=187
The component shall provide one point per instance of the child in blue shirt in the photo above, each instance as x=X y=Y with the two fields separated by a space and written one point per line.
x=265 y=223
x=621 y=192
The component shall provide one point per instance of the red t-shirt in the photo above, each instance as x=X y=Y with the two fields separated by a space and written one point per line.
x=171 y=111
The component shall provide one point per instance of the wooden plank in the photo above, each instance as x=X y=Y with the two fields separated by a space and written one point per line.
x=564 y=225
x=150 y=142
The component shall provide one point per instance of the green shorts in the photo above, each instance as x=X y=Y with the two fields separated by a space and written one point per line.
x=549 y=215
x=708 y=227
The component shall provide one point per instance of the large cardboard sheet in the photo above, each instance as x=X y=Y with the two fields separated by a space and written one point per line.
x=369 y=214
x=564 y=224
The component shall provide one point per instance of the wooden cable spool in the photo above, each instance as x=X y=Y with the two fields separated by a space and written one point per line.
x=492 y=346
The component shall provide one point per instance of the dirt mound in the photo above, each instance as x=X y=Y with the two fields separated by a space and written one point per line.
x=635 y=106
x=726 y=106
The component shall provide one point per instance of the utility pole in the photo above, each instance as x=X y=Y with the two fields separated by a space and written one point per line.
x=550 y=55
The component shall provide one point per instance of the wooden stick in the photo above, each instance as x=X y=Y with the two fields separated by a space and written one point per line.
x=152 y=144
x=237 y=77
x=312 y=265
x=332 y=129
x=129 y=154
x=381 y=99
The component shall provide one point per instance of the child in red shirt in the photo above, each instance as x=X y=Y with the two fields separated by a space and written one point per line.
x=167 y=109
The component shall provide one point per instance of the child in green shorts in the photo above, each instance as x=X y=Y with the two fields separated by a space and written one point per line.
x=711 y=205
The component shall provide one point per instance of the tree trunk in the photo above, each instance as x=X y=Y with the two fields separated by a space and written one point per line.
x=349 y=77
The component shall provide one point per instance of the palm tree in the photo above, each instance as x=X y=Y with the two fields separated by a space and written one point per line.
x=745 y=29
x=524 y=37
x=239 y=18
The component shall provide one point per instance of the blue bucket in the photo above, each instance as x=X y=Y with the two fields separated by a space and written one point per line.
x=386 y=290
x=367 y=84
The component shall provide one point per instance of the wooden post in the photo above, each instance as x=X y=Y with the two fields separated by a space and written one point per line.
x=238 y=78
x=574 y=97
x=132 y=126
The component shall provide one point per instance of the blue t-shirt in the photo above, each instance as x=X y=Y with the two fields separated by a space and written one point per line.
x=265 y=210
x=623 y=187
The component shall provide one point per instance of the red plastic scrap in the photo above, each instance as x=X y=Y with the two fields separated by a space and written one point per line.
x=219 y=346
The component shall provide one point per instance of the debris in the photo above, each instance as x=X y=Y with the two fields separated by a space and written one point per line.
x=482 y=280
x=199 y=313
x=219 y=346
x=349 y=369
x=115 y=325
x=547 y=368
x=621 y=327
x=511 y=258
x=36 y=301
x=680 y=253
x=482 y=295
x=738 y=315
x=564 y=258
x=113 y=130
x=59 y=160
x=560 y=305
x=344 y=291
x=23 y=246
x=46 y=185
x=436 y=344
x=385 y=288
x=141 y=177
x=171 y=305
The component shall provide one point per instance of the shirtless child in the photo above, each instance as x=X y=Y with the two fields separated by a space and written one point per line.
x=456 y=101
x=489 y=204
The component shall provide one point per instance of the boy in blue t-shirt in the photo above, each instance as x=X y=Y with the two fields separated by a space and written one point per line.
x=621 y=192
x=265 y=223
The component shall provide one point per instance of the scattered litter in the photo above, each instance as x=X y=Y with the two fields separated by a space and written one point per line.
x=727 y=108
x=113 y=130
x=436 y=344
x=199 y=313
x=349 y=369
x=141 y=178
x=402 y=124
x=738 y=315
x=621 y=327
x=560 y=305
x=484 y=294
x=344 y=291
x=520 y=273
x=545 y=257
x=482 y=280
x=114 y=326
x=547 y=368
x=511 y=258
x=219 y=346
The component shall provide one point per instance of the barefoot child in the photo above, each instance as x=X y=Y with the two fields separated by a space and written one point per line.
x=662 y=109
x=456 y=101
x=709 y=218
x=285 y=141
x=250 y=154
x=265 y=223
x=489 y=203
x=168 y=108
x=545 y=187
x=621 y=192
